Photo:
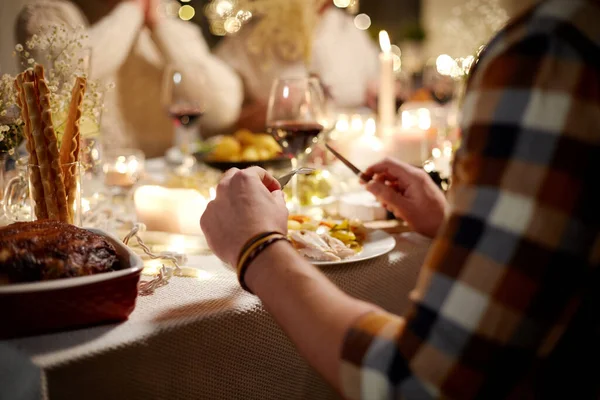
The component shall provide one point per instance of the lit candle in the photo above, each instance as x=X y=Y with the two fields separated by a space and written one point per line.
x=410 y=143
x=124 y=170
x=387 y=96
x=170 y=210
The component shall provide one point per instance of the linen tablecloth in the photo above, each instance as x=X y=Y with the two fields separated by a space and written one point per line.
x=205 y=338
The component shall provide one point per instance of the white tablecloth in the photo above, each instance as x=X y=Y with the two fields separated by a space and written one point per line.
x=205 y=338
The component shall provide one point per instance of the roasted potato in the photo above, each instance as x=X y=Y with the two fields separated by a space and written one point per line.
x=226 y=149
x=250 y=153
x=245 y=146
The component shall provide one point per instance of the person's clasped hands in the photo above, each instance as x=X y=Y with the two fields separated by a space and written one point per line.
x=151 y=10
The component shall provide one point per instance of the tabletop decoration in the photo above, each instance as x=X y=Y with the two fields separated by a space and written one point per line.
x=122 y=168
x=64 y=54
x=147 y=288
x=53 y=171
x=387 y=86
x=11 y=123
x=170 y=210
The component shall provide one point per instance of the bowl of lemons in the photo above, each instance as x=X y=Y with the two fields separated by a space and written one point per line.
x=243 y=149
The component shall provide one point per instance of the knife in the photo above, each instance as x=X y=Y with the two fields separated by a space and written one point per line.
x=364 y=177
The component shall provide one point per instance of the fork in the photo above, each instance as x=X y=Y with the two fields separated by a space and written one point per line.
x=285 y=179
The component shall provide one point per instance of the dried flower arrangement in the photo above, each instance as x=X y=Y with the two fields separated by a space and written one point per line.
x=63 y=53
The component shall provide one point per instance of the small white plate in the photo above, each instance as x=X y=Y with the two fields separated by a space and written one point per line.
x=377 y=244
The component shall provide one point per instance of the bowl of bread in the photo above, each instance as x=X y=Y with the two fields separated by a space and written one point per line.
x=54 y=275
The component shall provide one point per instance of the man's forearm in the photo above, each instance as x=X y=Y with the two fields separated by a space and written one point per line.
x=312 y=311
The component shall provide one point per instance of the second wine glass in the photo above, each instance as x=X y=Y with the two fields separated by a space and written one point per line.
x=296 y=115
x=184 y=102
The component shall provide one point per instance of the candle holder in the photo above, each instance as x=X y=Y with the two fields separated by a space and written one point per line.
x=122 y=169
x=170 y=210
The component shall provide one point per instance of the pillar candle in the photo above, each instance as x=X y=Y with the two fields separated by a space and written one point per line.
x=387 y=95
x=170 y=210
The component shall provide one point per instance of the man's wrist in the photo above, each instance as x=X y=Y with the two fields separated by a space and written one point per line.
x=257 y=269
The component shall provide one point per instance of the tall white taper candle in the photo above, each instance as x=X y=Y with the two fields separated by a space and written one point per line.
x=387 y=96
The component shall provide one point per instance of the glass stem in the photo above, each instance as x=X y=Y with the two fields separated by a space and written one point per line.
x=296 y=205
x=185 y=138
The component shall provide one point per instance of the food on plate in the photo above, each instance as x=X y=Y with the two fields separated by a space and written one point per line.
x=45 y=250
x=244 y=146
x=313 y=189
x=326 y=240
x=53 y=184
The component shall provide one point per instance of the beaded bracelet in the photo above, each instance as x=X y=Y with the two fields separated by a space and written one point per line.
x=254 y=251
x=252 y=241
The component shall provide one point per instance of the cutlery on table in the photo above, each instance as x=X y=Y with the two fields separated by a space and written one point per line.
x=285 y=179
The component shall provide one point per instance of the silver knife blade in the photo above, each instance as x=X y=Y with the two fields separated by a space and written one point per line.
x=348 y=164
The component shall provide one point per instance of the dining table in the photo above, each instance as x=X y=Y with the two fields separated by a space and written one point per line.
x=204 y=337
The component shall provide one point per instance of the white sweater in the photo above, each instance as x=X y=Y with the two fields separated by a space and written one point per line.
x=127 y=53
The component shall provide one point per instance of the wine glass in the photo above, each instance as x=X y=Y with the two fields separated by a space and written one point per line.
x=297 y=113
x=184 y=102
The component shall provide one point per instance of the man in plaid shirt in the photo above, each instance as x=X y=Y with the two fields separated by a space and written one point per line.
x=507 y=304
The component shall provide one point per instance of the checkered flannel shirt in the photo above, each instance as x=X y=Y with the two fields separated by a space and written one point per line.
x=507 y=304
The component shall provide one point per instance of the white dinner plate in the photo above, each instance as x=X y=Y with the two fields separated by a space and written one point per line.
x=378 y=243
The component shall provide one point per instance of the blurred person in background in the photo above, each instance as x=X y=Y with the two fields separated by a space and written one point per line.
x=131 y=44
x=343 y=57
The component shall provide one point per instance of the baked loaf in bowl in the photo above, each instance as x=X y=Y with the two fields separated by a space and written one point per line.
x=56 y=277
x=45 y=250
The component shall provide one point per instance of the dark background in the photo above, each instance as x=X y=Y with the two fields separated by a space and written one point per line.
x=399 y=17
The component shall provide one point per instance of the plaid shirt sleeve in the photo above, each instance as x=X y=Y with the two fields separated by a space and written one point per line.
x=507 y=270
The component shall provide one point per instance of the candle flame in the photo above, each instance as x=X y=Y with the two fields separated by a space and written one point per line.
x=384 y=42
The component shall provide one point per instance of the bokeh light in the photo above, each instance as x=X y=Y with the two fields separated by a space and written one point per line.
x=341 y=3
x=232 y=25
x=362 y=22
x=224 y=8
x=187 y=12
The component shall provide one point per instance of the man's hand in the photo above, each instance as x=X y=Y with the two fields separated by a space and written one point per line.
x=248 y=202
x=409 y=193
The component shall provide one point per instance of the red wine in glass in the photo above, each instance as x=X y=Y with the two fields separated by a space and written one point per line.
x=185 y=115
x=295 y=136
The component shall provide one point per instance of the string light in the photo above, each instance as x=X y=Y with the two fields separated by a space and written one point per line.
x=224 y=8
x=454 y=68
x=232 y=25
x=362 y=22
